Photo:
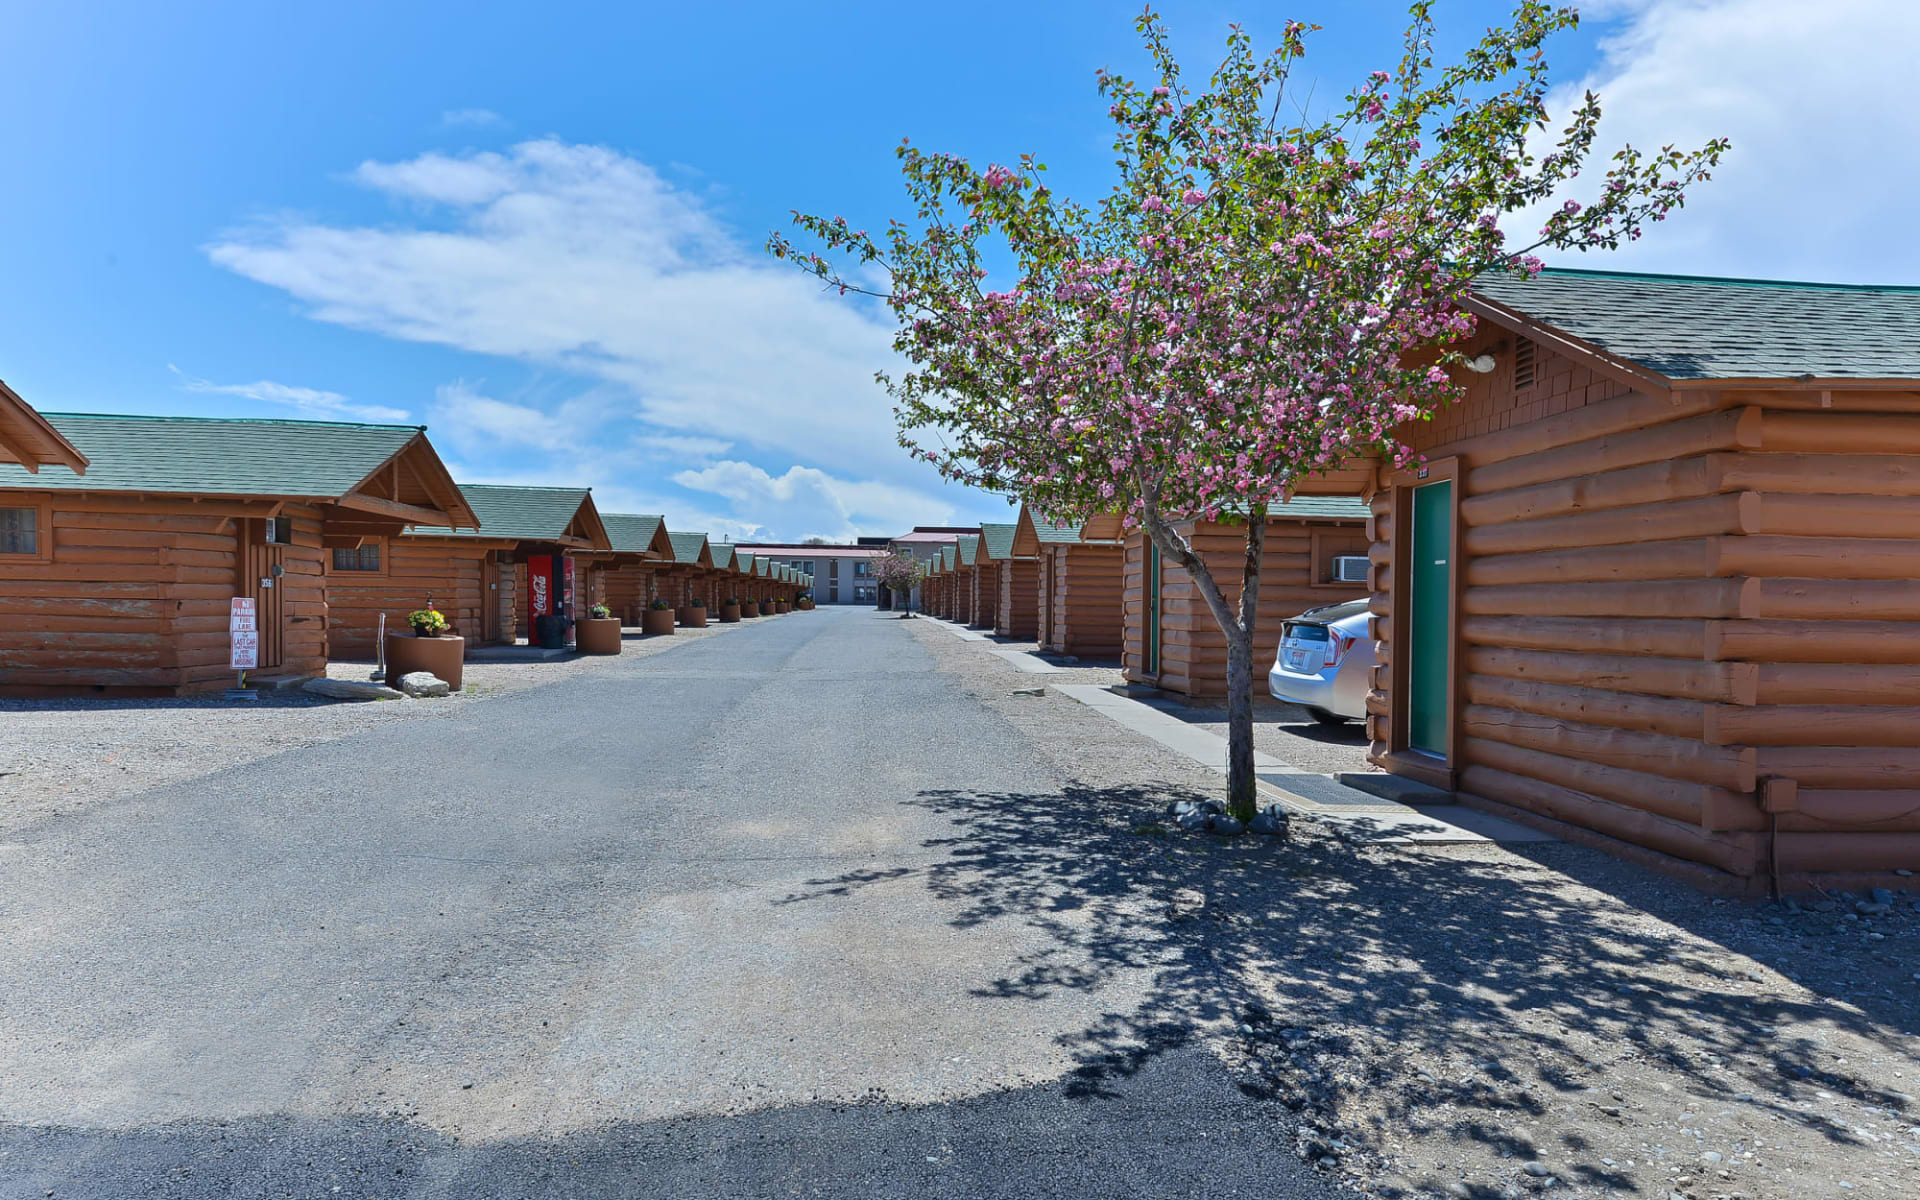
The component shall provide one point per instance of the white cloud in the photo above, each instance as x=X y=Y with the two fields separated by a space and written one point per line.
x=311 y=402
x=455 y=117
x=810 y=500
x=1816 y=99
x=674 y=446
x=584 y=258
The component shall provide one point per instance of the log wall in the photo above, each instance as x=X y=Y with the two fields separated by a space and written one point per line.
x=136 y=595
x=1668 y=602
x=628 y=590
x=1193 y=650
x=413 y=570
x=1083 y=597
x=1016 y=606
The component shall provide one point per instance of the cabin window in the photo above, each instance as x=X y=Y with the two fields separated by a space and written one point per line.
x=365 y=557
x=20 y=531
x=1526 y=357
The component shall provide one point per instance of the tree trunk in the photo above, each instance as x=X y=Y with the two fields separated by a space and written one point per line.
x=1243 y=796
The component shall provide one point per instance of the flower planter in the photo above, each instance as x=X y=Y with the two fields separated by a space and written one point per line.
x=656 y=620
x=693 y=616
x=806 y=606
x=780 y=606
x=729 y=613
x=441 y=657
x=597 y=635
x=750 y=609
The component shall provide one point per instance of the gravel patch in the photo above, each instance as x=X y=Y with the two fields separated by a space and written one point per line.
x=59 y=757
x=1464 y=1021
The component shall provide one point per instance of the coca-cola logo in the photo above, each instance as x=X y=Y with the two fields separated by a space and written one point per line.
x=540 y=594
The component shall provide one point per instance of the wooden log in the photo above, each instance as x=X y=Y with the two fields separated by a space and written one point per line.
x=1683 y=598
x=1680 y=678
x=1592 y=705
x=1653 y=754
x=1845 y=600
x=1820 y=557
x=1847 y=516
x=1861 y=808
x=1813 y=725
x=1878 y=851
x=1736 y=853
x=1826 y=683
x=1873 y=475
x=1736 y=429
x=1694 y=803
x=1783 y=641
x=1735 y=512
x=1828 y=399
x=1843 y=767
x=1624 y=414
x=1839 y=433
x=1677 y=479
x=1692 y=558
x=1659 y=638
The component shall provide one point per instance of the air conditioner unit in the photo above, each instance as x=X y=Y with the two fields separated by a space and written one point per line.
x=1350 y=568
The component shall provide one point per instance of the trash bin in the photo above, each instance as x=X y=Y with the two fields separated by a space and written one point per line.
x=550 y=631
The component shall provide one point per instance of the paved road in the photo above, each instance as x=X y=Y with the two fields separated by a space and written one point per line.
x=673 y=929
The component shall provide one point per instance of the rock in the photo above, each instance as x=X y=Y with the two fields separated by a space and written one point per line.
x=1034 y=691
x=346 y=689
x=1229 y=826
x=1328 y=1161
x=1872 y=908
x=1537 y=1169
x=1903 y=873
x=1711 y=1158
x=1194 y=820
x=1182 y=806
x=1881 y=896
x=1272 y=821
x=421 y=685
x=1459 y=1189
x=1186 y=902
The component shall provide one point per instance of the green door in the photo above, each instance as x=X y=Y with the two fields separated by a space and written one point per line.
x=1152 y=632
x=1430 y=644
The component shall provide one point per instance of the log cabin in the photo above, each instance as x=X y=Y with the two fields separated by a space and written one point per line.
x=725 y=581
x=532 y=554
x=127 y=578
x=1005 y=583
x=744 y=565
x=639 y=542
x=1079 y=600
x=686 y=574
x=966 y=549
x=1170 y=639
x=1657 y=581
x=941 y=572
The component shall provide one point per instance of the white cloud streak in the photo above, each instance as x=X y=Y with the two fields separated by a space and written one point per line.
x=310 y=402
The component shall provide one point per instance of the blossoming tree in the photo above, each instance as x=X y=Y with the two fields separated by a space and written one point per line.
x=1259 y=298
x=899 y=573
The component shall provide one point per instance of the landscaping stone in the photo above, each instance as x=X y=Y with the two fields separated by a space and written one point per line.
x=1231 y=826
x=1881 y=896
x=346 y=689
x=1272 y=821
x=1194 y=820
x=422 y=685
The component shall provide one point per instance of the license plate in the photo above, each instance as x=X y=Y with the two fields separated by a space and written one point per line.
x=1297 y=658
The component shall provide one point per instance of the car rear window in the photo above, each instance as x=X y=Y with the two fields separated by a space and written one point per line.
x=1303 y=631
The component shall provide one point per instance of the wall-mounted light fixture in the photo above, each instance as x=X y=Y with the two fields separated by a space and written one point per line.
x=1482 y=365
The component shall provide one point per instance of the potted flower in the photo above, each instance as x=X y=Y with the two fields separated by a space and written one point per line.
x=780 y=604
x=599 y=633
x=750 y=608
x=658 y=618
x=806 y=600
x=730 y=610
x=431 y=646
x=693 y=614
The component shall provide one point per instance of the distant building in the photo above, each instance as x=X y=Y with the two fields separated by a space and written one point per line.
x=842 y=573
x=926 y=542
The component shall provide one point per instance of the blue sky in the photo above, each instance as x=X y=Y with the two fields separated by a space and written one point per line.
x=537 y=229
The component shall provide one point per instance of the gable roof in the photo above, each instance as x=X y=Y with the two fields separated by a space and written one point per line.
x=996 y=542
x=690 y=549
x=722 y=553
x=1325 y=507
x=968 y=547
x=1693 y=327
x=29 y=441
x=1031 y=533
x=637 y=533
x=949 y=555
x=534 y=514
x=222 y=456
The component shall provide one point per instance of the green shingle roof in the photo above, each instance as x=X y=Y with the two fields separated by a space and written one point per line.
x=1056 y=535
x=947 y=554
x=218 y=456
x=722 y=554
x=743 y=562
x=539 y=514
x=1695 y=327
x=997 y=540
x=968 y=546
x=687 y=546
x=1347 y=507
x=631 y=533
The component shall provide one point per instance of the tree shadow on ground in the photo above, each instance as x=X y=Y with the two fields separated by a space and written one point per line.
x=1400 y=993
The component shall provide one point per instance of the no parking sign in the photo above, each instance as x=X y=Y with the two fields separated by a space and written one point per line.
x=243 y=634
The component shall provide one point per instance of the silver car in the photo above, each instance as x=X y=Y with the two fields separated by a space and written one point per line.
x=1323 y=663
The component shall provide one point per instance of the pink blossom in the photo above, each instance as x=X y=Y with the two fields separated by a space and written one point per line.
x=1193 y=196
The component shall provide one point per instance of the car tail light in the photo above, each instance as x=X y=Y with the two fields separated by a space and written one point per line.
x=1337 y=646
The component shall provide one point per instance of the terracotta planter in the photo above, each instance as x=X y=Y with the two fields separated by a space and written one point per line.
x=442 y=657
x=806 y=606
x=729 y=613
x=597 y=635
x=750 y=609
x=781 y=606
x=693 y=616
x=656 y=620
